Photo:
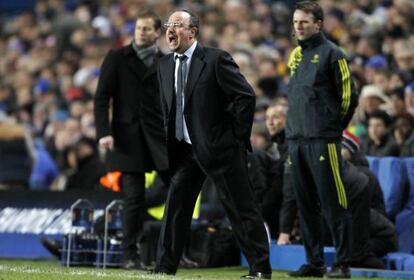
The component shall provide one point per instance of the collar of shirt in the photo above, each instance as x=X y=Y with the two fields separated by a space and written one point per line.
x=189 y=52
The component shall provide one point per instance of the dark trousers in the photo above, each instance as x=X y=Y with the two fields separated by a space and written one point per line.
x=136 y=203
x=133 y=188
x=317 y=181
x=359 y=199
x=237 y=198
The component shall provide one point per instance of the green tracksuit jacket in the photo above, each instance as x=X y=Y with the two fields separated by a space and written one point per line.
x=322 y=97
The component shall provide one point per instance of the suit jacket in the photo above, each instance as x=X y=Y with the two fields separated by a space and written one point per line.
x=218 y=108
x=136 y=125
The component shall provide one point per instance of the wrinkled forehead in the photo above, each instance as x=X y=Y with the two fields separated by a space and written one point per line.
x=180 y=16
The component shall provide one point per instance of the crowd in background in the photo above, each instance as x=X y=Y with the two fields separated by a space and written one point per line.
x=51 y=53
x=51 y=57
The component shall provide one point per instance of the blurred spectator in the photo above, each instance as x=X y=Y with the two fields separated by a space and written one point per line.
x=404 y=135
x=87 y=166
x=7 y=101
x=275 y=124
x=396 y=103
x=351 y=151
x=260 y=110
x=381 y=79
x=374 y=65
x=286 y=210
x=398 y=80
x=404 y=56
x=16 y=154
x=45 y=169
x=371 y=100
x=379 y=142
x=64 y=139
x=409 y=98
x=268 y=81
x=267 y=185
x=259 y=137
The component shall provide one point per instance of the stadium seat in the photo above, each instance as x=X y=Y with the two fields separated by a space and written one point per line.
x=409 y=263
x=409 y=163
x=392 y=177
x=404 y=224
x=404 y=221
x=373 y=164
x=395 y=261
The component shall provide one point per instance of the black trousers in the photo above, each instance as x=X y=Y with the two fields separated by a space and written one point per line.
x=236 y=196
x=318 y=186
x=133 y=188
x=359 y=200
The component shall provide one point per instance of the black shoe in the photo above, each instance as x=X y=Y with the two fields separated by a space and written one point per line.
x=160 y=271
x=53 y=246
x=134 y=264
x=257 y=275
x=308 y=270
x=339 y=271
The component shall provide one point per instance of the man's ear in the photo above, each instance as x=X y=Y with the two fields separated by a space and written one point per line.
x=159 y=33
x=194 y=31
x=320 y=24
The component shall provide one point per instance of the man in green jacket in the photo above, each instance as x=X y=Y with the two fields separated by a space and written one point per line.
x=322 y=100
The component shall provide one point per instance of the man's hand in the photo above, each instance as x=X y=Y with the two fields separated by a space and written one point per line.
x=107 y=143
x=283 y=239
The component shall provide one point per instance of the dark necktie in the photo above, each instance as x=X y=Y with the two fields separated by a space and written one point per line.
x=181 y=75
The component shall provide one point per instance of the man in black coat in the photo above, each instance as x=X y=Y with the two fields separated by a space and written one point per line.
x=208 y=115
x=134 y=137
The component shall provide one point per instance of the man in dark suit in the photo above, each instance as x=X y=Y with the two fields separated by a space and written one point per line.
x=134 y=138
x=208 y=111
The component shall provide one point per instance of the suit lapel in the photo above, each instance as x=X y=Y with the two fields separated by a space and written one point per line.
x=197 y=65
x=167 y=79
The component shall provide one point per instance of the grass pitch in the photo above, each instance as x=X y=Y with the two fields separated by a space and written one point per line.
x=49 y=270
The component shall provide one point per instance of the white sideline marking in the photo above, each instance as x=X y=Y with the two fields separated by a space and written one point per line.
x=26 y=269
x=96 y=273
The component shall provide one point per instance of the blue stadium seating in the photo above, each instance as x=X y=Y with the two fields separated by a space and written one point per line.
x=391 y=173
x=409 y=163
x=409 y=264
x=404 y=221
x=395 y=261
x=404 y=224
x=373 y=164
